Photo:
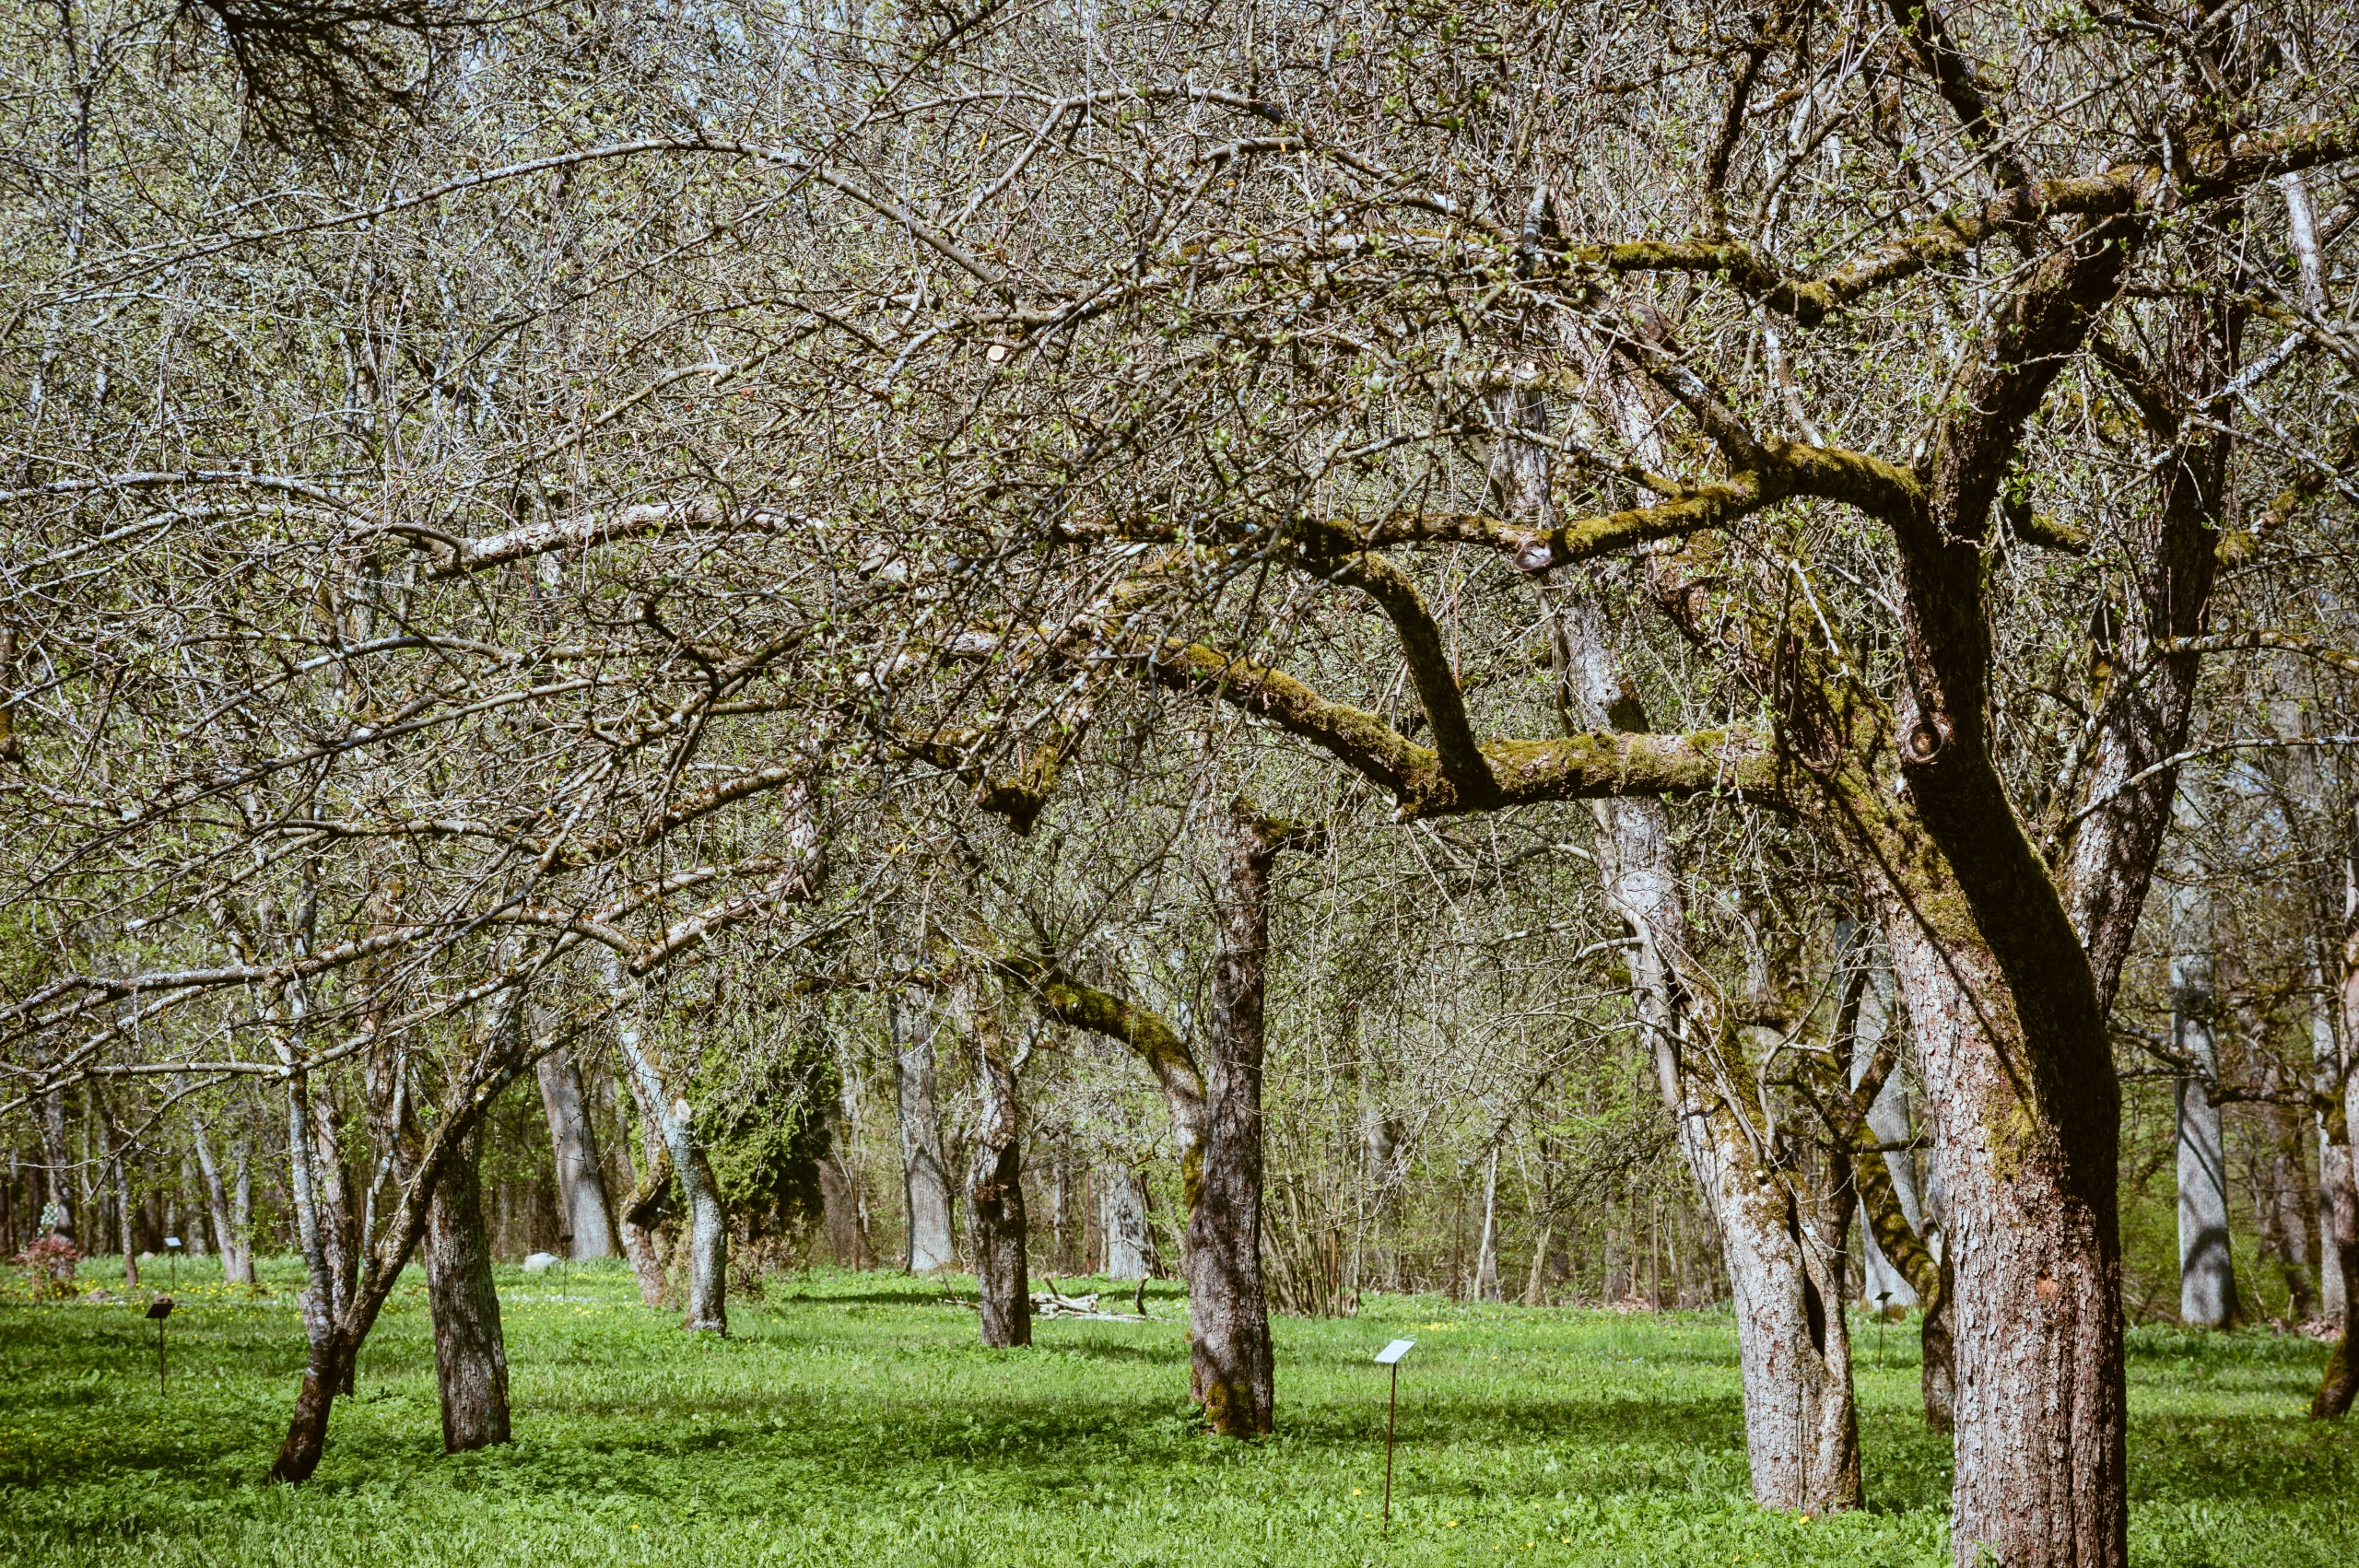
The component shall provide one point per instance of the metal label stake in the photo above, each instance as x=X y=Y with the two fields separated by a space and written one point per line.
x=160 y=1309
x=1390 y=1356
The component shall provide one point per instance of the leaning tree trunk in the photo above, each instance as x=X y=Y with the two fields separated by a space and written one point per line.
x=1801 y=1426
x=995 y=1195
x=924 y=1175
x=708 y=1229
x=580 y=1181
x=636 y=1217
x=470 y=1353
x=1231 y=1361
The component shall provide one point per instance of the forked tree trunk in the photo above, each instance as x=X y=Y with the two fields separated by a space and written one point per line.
x=470 y=1353
x=1231 y=1361
x=581 y=1180
x=995 y=1195
x=924 y=1175
x=1784 y=1267
x=335 y=1354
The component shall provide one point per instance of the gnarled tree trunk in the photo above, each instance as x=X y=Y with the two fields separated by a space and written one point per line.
x=995 y=1195
x=1231 y=1362
x=470 y=1353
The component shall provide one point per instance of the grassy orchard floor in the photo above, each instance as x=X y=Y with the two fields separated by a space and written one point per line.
x=850 y=1419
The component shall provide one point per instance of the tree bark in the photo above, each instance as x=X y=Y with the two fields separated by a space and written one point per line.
x=2033 y=1245
x=2338 y=1175
x=995 y=1194
x=317 y=1300
x=840 y=1194
x=924 y=1175
x=642 y=1215
x=1231 y=1362
x=580 y=1180
x=1883 y=1281
x=57 y=1214
x=470 y=1353
x=636 y=1217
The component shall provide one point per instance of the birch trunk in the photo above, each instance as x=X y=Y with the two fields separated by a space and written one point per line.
x=580 y=1180
x=924 y=1175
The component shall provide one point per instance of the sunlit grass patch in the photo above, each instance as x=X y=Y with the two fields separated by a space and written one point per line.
x=850 y=1419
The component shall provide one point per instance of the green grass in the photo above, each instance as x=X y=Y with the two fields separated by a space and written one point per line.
x=851 y=1420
